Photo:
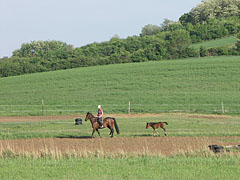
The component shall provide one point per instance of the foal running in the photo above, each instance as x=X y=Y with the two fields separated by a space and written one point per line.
x=156 y=125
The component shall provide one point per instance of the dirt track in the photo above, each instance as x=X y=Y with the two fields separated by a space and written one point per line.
x=118 y=145
x=63 y=117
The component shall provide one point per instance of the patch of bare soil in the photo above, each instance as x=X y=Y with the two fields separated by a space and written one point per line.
x=34 y=118
x=140 y=145
x=63 y=117
x=209 y=116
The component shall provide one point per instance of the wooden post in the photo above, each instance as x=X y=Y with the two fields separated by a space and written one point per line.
x=129 y=107
x=42 y=106
x=223 y=111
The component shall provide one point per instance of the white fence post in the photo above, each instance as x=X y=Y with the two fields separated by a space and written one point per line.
x=129 y=107
x=223 y=111
x=42 y=106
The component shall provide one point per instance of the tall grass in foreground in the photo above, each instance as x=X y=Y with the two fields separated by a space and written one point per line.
x=142 y=167
x=55 y=153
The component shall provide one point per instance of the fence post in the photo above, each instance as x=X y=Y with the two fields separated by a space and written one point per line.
x=129 y=107
x=42 y=106
x=223 y=111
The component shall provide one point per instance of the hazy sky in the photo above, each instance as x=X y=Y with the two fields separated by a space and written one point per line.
x=80 y=22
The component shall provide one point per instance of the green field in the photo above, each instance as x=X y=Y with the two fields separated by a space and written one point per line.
x=196 y=165
x=198 y=85
x=179 y=125
x=223 y=42
x=191 y=85
x=155 y=168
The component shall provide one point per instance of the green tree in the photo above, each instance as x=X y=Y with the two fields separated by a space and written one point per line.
x=178 y=41
x=209 y=9
x=238 y=43
x=187 y=18
x=149 y=30
x=44 y=49
x=139 y=56
x=169 y=25
x=203 y=51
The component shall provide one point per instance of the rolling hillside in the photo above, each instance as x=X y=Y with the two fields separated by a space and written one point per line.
x=223 y=42
x=190 y=85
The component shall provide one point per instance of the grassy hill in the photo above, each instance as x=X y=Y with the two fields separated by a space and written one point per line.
x=223 y=42
x=190 y=85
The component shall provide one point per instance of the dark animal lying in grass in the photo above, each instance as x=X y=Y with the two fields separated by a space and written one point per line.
x=216 y=148
x=156 y=125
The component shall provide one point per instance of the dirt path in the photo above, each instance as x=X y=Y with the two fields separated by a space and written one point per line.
x=63 y=117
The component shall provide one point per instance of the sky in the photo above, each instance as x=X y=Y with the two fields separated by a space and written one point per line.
x=81 y=22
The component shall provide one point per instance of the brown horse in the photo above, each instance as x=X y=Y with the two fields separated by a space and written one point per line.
x=107 y=122
x=156 y=125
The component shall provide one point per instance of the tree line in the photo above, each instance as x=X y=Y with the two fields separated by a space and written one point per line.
x=169 y=40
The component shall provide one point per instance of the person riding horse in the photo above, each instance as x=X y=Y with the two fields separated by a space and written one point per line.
x=100 y=116
x=108 y=122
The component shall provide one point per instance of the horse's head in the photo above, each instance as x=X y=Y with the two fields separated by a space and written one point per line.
x=147 y=125
x=88 y=116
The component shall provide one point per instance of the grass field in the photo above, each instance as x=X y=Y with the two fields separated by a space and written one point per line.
x=180 y=124
x=223 y=42
x=191 y=85
x=99 y=165
x=137 y=168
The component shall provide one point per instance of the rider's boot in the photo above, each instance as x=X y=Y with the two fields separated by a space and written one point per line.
x=100 y=125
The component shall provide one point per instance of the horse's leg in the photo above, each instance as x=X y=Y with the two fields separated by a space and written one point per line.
x=111 y=131
x=165 y=131
x=154 y=132
x=99 y=133
x=93 y=132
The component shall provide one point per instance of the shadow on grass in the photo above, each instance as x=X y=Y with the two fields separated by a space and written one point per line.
x=75 y=137
x=149 y=135
x=143 y=135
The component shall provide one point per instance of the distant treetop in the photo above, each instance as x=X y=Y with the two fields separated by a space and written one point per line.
x=209 y=9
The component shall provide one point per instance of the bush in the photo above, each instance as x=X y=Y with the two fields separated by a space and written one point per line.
x=203 y=51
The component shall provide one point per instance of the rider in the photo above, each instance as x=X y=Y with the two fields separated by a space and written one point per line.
x=100 y=115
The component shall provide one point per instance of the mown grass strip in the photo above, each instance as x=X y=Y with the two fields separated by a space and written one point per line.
x=179 y=124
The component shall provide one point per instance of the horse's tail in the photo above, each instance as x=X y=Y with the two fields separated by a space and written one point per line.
x=165 y=123
x=116 y=126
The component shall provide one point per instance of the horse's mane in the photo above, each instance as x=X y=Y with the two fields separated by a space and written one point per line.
x=91 y=115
